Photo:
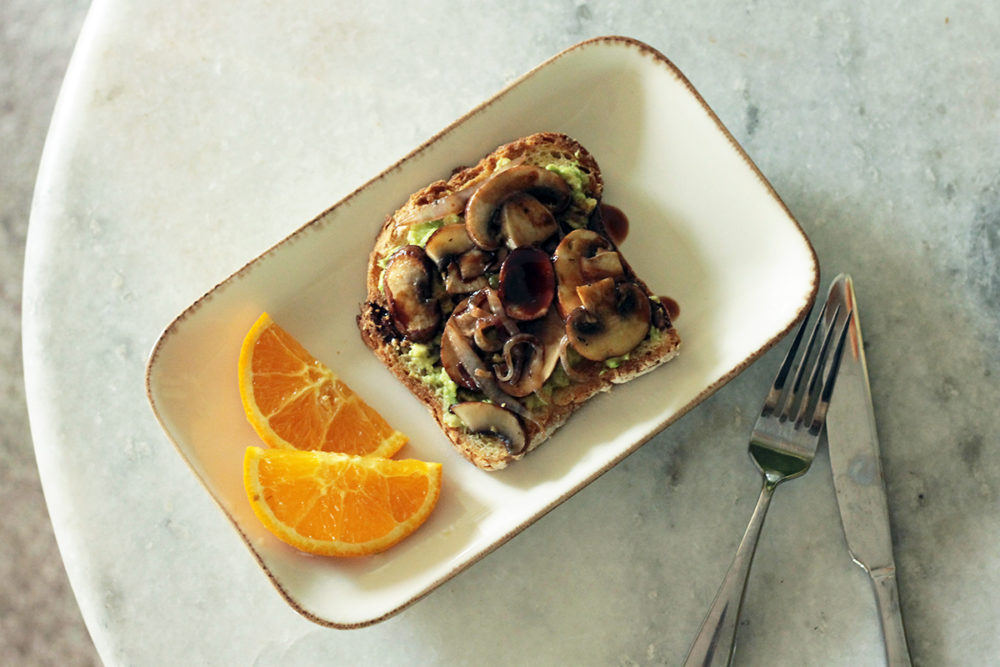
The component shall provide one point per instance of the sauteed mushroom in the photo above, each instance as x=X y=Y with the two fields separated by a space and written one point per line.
x=447 y=243
x=480 y=213
x=491 y=419
x=456 y=283
x=527 y=283
x=451 y=249
x=611 y=321
x=407 y=282
x=582 y=257
x=525 y=221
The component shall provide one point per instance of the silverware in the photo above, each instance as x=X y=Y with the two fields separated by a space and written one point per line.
x=857 y=477
x=782 y=446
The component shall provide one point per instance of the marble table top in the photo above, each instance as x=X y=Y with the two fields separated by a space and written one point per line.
x=189 y=137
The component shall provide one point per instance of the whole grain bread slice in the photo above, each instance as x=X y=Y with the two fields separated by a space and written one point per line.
x=549 y=407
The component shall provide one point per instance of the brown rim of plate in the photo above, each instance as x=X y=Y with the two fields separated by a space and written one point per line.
x=629 y=42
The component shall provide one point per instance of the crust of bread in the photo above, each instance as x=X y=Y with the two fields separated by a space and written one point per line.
x=550 y=411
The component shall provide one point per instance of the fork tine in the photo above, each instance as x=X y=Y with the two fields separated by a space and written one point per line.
x=819 y=413
x=793 y=391
x=817 y=368
x=771 y=402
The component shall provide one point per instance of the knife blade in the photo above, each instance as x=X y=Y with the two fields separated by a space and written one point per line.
x=857 y=477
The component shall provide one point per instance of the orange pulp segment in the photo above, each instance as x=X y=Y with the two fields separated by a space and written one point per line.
x=333 y=504
x=294 y=401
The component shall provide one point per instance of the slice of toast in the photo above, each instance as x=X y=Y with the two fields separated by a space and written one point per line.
x=500 y=299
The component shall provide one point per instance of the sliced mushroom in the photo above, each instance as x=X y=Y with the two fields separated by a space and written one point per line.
x=520 y=372
x=604 y=263
x=447 y=243
x=407 y=281
x=473 y=263
x=613 y=319
x=525 y=221
x=451 y=249
x=491 y=419
x=527 y=283
x=582 y=257
x=454 y=283
x=594 y=296
x=480 y=213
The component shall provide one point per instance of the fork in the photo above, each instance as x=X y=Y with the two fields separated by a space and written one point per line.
x=782 y=446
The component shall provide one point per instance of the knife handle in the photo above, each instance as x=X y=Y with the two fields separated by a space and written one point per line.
x=887 y=595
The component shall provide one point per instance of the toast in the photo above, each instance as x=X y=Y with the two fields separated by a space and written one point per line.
x=500 y=299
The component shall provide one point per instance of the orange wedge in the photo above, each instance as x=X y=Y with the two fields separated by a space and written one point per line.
x=294 y=401
x=333 y=504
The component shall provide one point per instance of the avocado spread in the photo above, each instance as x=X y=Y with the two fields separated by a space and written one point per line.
x=576 y=180
x=420 y=360
x=419 y=233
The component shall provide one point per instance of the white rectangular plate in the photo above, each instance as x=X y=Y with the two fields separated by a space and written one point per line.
x=706 y=229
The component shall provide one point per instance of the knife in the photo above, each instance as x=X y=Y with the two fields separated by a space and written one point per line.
x=857 y=478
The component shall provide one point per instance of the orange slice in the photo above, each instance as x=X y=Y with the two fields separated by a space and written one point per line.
x=333 y=504
x=294 y=401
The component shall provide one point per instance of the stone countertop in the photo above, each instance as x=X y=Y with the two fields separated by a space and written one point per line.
x=40 y=623
x=188 y=139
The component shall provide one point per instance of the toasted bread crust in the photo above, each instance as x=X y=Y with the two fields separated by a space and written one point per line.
x=552 y=409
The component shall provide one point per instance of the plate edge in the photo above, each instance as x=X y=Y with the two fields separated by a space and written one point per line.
x=609 y=40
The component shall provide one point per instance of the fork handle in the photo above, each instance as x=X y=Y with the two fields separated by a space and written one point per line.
x=717 y=637
x=887 y=595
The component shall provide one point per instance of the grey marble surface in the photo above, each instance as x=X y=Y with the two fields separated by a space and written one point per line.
x=40 y=623
x=190 y=139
